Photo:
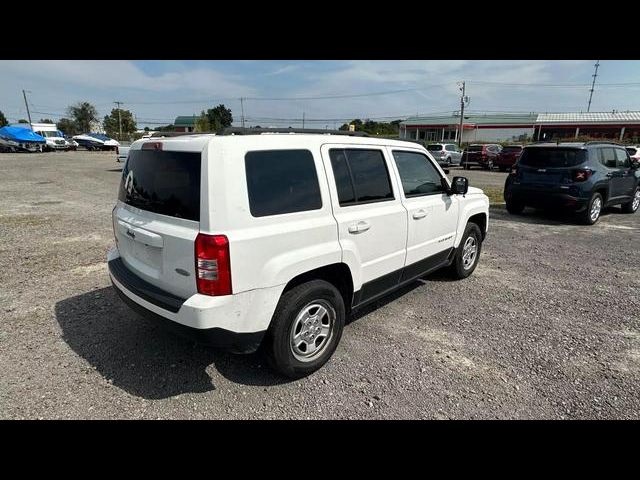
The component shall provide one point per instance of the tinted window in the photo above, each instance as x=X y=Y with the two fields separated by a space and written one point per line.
x=434 y=148
x=631 y=151
x=511 y=149
x=368 y=174
x=552 y=157
x=608 y=157
x=281 y=181
x=475 y=148
x=418 y=175
x=451 y=148
x=346 y=193
x=162 y=182
x=621 y=158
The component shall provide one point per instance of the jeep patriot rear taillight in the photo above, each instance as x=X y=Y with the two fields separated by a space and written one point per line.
x=213 y=266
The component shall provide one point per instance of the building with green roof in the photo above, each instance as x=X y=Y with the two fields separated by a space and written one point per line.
x=185 y=123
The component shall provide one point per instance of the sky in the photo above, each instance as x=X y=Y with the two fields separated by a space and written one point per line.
x=280 y=93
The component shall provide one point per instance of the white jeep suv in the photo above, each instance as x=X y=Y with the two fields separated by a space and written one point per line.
x=271 y=239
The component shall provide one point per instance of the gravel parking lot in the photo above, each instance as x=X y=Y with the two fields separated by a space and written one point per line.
x=547 y=327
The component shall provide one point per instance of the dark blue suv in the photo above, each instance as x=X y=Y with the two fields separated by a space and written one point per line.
x=582 y=177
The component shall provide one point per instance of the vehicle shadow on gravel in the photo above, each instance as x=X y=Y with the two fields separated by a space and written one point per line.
x=144 y=359
x=543 y=217
x=114 y=169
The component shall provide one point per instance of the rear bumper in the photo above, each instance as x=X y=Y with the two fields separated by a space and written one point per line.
x=236 y=323
x=545 y=199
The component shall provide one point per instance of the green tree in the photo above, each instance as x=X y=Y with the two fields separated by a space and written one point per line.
x=219 y=117
x=83 y=114
x=202 y=123
x=67 y=126
x=22 y=120
x=111 y=123
x=3 y=120
x=46 y=120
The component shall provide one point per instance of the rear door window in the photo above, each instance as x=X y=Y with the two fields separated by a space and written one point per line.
x=281 y=181
x=162 y=182
x=609 y=157
x=361 y=176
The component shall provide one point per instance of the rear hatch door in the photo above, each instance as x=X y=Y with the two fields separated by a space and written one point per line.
x=548 y=167
x=157 y=217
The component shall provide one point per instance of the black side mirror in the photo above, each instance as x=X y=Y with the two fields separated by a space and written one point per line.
x=459 y=185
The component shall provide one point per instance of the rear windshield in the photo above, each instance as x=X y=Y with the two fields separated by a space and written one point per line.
x=475 y=148
x=511 y=149
x=433 y=148
x=631 y=151
x=162 y=182
x=552 y=157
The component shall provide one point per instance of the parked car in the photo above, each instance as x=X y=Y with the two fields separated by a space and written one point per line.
x=273 y=239
x=121 y=153
x=71 y=144
x=634 y=153
x=446 y=154
x=507 y=157
x=582 y=177
x=481 y=155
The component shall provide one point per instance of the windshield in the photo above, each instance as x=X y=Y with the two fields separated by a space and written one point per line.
x=552 y=157
x=49 y=134
x=511 y=149
x=433 y=148
x=162 y=182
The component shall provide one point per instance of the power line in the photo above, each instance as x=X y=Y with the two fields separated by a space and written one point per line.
x=558 y=85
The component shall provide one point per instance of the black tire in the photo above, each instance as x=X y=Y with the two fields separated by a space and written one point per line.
x=515 y=208
x=458 y=270
x=632 y=207
x=277 y=343
x=502 y=169
x=585 y=216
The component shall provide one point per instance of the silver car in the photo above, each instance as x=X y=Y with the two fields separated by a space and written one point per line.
x=446 y=154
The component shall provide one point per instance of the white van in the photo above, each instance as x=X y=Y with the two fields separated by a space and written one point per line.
x=54 y=138
x=272 y=239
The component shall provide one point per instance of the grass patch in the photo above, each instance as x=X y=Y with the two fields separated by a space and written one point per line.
x=495 y=194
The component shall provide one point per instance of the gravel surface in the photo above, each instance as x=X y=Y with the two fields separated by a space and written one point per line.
x=547 y=326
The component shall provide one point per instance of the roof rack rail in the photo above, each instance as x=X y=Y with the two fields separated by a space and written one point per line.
x=178 y=134
x=607 y=142
x=257 y=131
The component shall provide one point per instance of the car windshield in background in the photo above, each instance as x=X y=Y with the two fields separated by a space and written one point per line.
x=552 y=157
x=50 y=134
x=434 y=148
x=475 y=148
x=162 y=182
x=511 y=149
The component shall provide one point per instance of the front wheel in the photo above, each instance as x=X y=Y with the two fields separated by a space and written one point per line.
x=515 y=208
x=633 y=205
x=468 y=253
x=305 y=329
x=592 y=213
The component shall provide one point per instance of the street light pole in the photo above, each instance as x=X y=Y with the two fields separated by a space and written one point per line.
x=119 y=120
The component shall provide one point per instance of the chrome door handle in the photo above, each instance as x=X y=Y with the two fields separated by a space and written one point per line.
x=420 y=214
x=359 y=227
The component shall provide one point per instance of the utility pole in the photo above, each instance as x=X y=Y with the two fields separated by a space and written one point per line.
x=303 y=119
x=119 y=119
x=462 y=89
x=595 y=74
x=27 y=105
x=242 y=108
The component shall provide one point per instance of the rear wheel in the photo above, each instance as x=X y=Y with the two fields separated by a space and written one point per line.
x=305 y=329
x=468 y=253
x=593 y=210
x=515 y=208
x=632 y=206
